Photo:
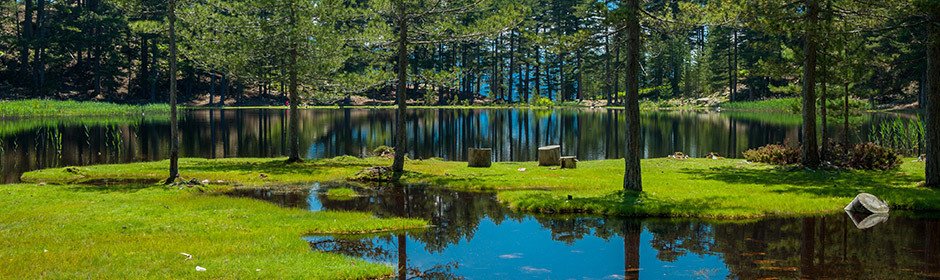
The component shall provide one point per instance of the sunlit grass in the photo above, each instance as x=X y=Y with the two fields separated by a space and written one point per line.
x=726 y=188
x=142 y=231
x=56 y=108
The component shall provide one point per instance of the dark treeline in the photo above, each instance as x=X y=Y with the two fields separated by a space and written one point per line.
x=508 y=51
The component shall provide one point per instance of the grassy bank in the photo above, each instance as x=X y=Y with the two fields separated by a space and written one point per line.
x=791 y=105
x=56 y=108
x=725 y=188
x=141 y=231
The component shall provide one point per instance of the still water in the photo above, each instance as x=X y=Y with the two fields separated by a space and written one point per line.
x=514 y=134
x=475 y=237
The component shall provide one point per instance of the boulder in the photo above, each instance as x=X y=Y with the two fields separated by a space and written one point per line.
x=867 y=203
x=550 y=155
x=569 y=162
x=479 y=157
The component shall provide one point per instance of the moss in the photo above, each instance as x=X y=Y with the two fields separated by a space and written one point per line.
x=725 y=188
x=143 y=230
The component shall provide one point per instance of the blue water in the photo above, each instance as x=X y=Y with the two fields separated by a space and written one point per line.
x=475 y=237
x=524 y=249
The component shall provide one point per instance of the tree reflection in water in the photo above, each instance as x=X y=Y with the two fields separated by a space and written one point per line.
x=475 y=237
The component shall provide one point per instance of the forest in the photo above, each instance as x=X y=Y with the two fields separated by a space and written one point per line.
x=242 y=52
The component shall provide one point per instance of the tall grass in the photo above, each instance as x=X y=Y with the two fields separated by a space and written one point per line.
x=56 y=108
x=792 y=105
x=904 y=135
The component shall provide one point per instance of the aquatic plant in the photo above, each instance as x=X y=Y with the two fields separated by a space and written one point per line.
x=904 y=135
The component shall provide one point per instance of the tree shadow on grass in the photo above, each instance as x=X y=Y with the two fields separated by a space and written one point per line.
x=112 y=188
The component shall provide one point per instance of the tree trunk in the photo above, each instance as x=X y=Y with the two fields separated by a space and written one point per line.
x=580 y=92
x=294 y=98
x=538 y=72
x=153 y=71
x=26 y=40
x=174 y=122
x=401 y=96
x=845 y=117
x=607 y=86
x=810 y=148
x=824 y=111
x=932 y=110
x=631 y=177
x=512 y=54
x=39 y=52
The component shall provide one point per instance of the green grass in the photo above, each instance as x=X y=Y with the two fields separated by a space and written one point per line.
x=793 y=105
x=55 y=108
x=788 y=105
x=721 y=189
x=140 y=231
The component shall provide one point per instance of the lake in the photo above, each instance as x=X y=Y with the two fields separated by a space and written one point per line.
x=514 y=134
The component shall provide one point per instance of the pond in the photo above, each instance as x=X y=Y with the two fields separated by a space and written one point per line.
x=514 y=134
x=475 y=237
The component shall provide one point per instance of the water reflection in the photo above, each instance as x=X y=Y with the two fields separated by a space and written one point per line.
x=475 y=237
x=514 y=135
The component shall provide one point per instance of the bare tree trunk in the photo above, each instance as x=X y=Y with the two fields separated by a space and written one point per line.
x=294 y=98
x=538 y=72
x=26 y=40
x=631 y=177
x=845 y=117
x=39 y=53
x=401 y=145
x=810 y=148
x=607 y=86
x=932 y=110
x=174 y=122
x=824 y=111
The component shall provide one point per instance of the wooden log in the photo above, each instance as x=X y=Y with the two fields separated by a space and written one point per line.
x=867 y=203
x=550 y=155
x=569 y=162
x=479 y=157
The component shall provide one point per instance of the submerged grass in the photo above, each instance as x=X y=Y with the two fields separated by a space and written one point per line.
x=142 y=231
x=725 y=188
x=57 y=108
x=14 y=126
x=341 y=193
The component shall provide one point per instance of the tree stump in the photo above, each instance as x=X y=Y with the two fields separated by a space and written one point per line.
x=550 y=155
x=867 y=203
x=479 y=157
x=569 y=162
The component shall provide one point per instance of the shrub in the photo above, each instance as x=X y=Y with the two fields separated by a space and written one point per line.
x=774 y=154
x=543 y=102
x=871 y=156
